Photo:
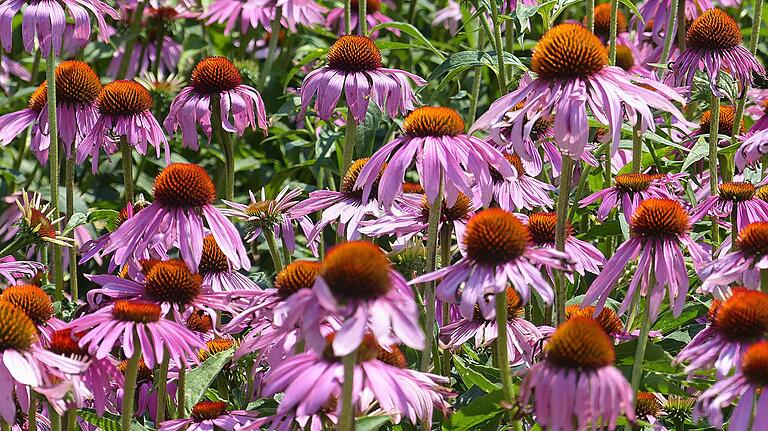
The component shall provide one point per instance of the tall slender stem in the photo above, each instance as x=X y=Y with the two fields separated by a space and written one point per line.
x=161 y=379
x=590 y=18
x=764 y=280
x=509 y=45
x=53 y=162
x=347 y=419
x=714 y=127
x=129 y=389
x=54 y=418
x=637 y=149
x=348 y=16
x=433 y=223
x=499 y=48
x=272 y=47
x=477 y=79
x=181 y=389
x=501 y=347
x=681 y=21
x=350 y=138
x=273 y=252
x=560 y=230
x=71 y=417
x=70 y=187
x=362 y=17
x=32 y=412
x=221 y=137
x=445 y=260
x=613 y=32
x=669 y=34
x=127 y=159
x=642 y=344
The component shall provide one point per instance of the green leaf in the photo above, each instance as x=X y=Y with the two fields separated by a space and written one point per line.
x=698 y=152
x=77 y=219
x=411 y=31
x=463 y=60
x=106 y=422
x=478 y=411
x=633 y=9
x=656 y=358
x=200 y=378
x=308 y=58
x=371 y=423
x=471 y=377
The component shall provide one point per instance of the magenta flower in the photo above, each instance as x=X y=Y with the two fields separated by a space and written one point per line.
x=496 y=254
x=584 y=256
x=741 y=265
x=13 y=270
x=656 y=14
x=184 y=194
x=44 y=22
x=713 y=43
x=310 y=381
x=629 y=191
x=564 y=90
x=434 y=138
x=359 y=289
x=9 y=67
x=215 y=76
x=118 y=324
x=522 y=335
x=746 y=387
x=142 y=59
x=219 y=273
x=78 y=87
x=521 y=191
x=576 y=386
x=354 y=66
x=734 y=324
x=659 y=230
x=749 y=209
x=124 y=112
x=210 y=416
x=754 y=147
x=374 y=17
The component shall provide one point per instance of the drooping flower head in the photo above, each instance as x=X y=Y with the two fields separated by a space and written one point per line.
x=355 y=66
x=585 y=256
x=45 y=22
x=434 y=138
x=713 y=44
x=569 y=388
x=572 y=74
x=215 y=78
x=496 y=253
x=124 y=113
x=629 y=191
x=210 y=416
x=183 y=201
x=659 y=230
x=219 y=272
x=749 y=208
x=741 y=265
x=522 y=191
x=734 y=325
x=13 y=270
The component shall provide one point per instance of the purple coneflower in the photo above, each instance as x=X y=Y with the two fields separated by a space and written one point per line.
x=754 y=147
x=77 y=88
x=310 y=380
x=655 y=14
x=357 y=286
x=747 y=387
x=355 y=67
x=659 y=229
x=434 y=137
x=124 y=321
x=522 y=335
x=44 y=22
x=12 y=270
x=374 y=17
x=346 y=206
x=210 y=416
x=584 y=256
x=215 y=77
x=521 y=191
x=738 y=196
x=496 y=254
x=576 y=385
x=35 y=303
x=742 y=265
x=255 y=13
x=734 y=325
x=629 y=190
x=219 y=272
x=183 y=198
x=712 y=44
x=124 y=114
x=572 y=73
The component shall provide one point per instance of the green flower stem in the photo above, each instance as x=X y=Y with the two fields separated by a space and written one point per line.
x=669 y=35
x=681 y=20
x=70 y=187
x=362 y=15
x=181 y=390
x=714 y=126
x=637 y=148
x=129 y=389
x=347 y=419
x=32 y=412
x=221 y=138
x=509 y=46
x=642 y=344
x=433 y=222
x=499 y=48
x=348 y=151
x=590 y=18
x=273 y=252
x=764 y=280
x=55 y=419
x=348 y=16
x=562 y=217
x=71 y=417
x=271 y=48
x=127 y=160
x=476 y=80
x=161 y=379
x=501 y=347
x=445 y=260
x=53 y=162
x=613 y=31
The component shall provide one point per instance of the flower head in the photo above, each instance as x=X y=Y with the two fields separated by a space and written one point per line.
x=741 y=265
x=738 y=195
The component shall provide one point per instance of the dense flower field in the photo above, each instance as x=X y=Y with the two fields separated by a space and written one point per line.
x=243 y=215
